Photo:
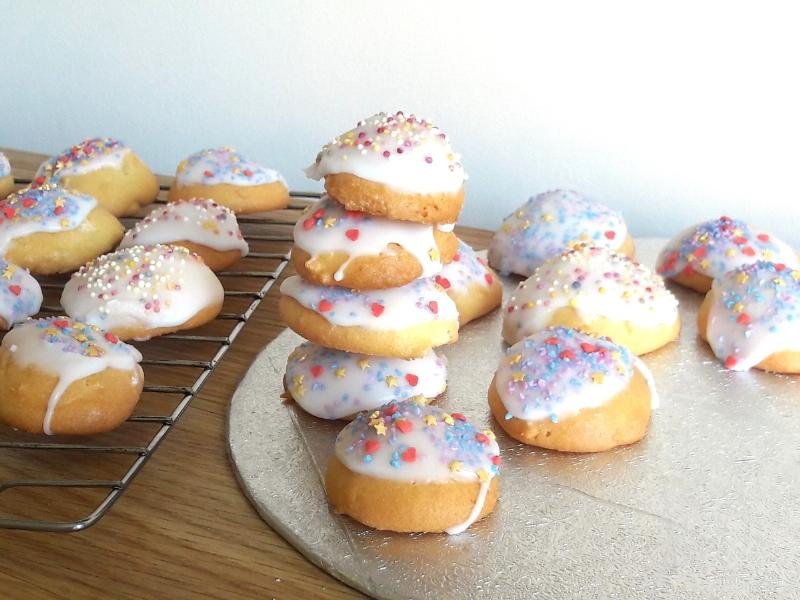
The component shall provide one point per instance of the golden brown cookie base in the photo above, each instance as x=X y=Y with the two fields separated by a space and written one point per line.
x=394 y=268
x=408 y=342
x=477 y=301
x=628 y=248
x=382 y=200
x=620 y=421
x=123 y=191
x=216 y=260
x=6 y=185
x=639 y=340
x=404 y=506
x=787 y=361
x=241 y=199
x=90 y=405
x=48 y=253
x=142 y=333
x=694 y=281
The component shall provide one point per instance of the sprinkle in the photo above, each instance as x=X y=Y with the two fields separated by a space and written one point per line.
x=325 y=305
x=410 y=455
x=317 y=370
x=391 y=381
x=352 y=234
x=377 y=309
x=403 y=425
x=412 y=379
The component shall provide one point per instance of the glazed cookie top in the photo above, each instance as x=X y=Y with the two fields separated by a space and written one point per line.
x=549 y=223
x=754 y=313
x=5 y=166
x=404 y=152
x=223 y=165
x=420 y=301
x=596 y=282
x=328 y=227
x=332 y=384
x=198 y=220
x=70 y=350
x=557 y=372
x=48 y=208
x=466 y=270
x=85 y=157
x=20 y=294
x=715 y=247
x=412 y=441
x=159 y=286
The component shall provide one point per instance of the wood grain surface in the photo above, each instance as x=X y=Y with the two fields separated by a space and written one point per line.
x=182 y=529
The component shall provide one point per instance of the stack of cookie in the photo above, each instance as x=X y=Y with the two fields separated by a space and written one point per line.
x=369 y=296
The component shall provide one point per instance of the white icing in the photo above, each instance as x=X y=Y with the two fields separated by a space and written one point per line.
x=446 y=227
x=466 y=270
x=325 y=227
x=655 y=400
x=549 y=223
x=421 y=301
x=409 y=441
x=201 y=221
x=20 y=294
x=143 y=286
x=403 y=152
x=332 y=384
x=48 y=208
x=754 y=312
x=5 y=166
x=88 y=156
x=69 y=350
x=595 y=282
x=224 y=166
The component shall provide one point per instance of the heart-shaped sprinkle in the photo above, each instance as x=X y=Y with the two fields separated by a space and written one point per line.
x=404 y=425
x=489 y=278
x=317 y=370
x=110 y=337
x=434 y=306
x=749 y=251
x=377 y=309
x=412 y=379
x=410 y=455
x=610 y=235
x=442 y=281
x=308 y=224
x=459 y=417
x=588 y=348
x=352 y=234
x=744 y=319
x=371 y=446
x=15 y=289
x=391 y=409
x=763 y=237
x=730 y=362
x=325 y=305
x=61 y=323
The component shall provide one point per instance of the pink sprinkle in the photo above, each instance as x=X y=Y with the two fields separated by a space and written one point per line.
x=399 y=150
x=428 y=159
x=386 y=154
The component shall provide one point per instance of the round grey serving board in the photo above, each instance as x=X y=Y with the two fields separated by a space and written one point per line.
x=706 y=506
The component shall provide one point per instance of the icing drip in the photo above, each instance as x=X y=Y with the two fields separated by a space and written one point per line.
x=595 y=282
x=143 y=286
x=198 y=220
x=69 y=350
x=20 y=294
x=90 y=155
x=327 y=227
x=48 y=208
x=224 y=165
x=715 y=247
x=754 y=313
x=549 y=223
x=557 y=372
x=5 y=166
x=466 y=270
x=401 y=151
x=332 y=384
x=411 y=441
x=420 y=301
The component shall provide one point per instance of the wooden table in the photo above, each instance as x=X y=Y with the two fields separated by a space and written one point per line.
x=183 y=529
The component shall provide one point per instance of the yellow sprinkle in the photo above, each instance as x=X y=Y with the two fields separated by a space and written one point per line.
x=526 y=224
x=519 y=376
x=778 y=281
x=742 y=277
x=602 y=290
x=489 y=433
x=64 y=223
x=455 y=466
x=298 y=380
x=529 y=305
x=363 y=364
x=340 y=372
x=796 y=275
x=299 y=391
x=433 y=253
x=573 y=302
x=483 y=475
x=767 y=254
x=690 y=257
x=330 y=222
x=430 y=420
x=420 y=399
x=730 y=252
x=515 y=359
x=448 y=419
x=507 y=227
x=391 y=381
x=8 y=272
x=374 y=414
x=380 y=428
x=598 y=377
x=547 y=217
x=705 y=263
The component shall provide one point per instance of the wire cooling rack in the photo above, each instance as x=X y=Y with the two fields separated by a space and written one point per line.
x=88 y=475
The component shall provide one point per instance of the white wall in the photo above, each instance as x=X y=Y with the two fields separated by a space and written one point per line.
x=673 y=115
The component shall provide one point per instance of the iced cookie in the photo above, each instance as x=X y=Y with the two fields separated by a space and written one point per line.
x=20 y=295
x=6 y=178
x=394 y=166
x=471 y=283
x=414 y=468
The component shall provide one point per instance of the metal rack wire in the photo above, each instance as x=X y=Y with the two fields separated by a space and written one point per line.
x=254 y=229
